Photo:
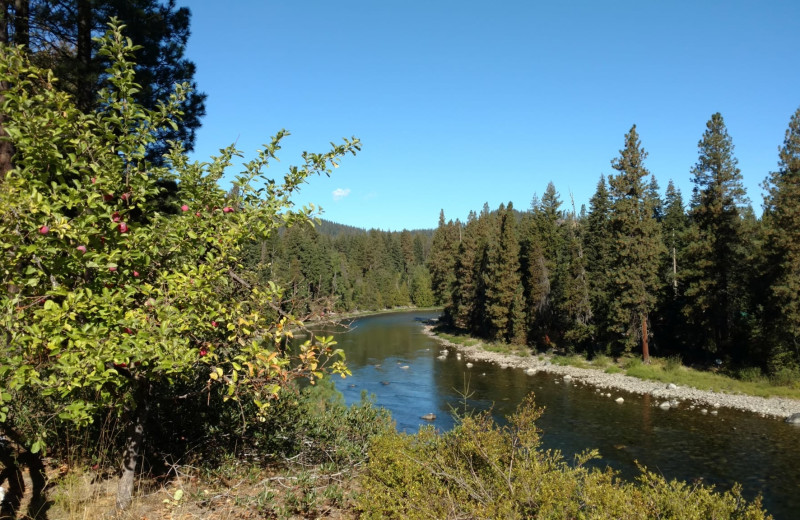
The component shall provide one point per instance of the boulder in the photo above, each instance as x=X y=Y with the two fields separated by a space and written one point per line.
x=794 y=419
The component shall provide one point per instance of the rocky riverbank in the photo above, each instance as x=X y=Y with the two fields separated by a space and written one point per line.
x=665 y=395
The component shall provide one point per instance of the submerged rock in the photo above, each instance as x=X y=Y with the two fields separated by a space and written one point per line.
x=619 y=400
x=794 y=419
x=429 y=417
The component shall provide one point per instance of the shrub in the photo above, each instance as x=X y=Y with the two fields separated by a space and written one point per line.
x=116 y=290
x=482 y=470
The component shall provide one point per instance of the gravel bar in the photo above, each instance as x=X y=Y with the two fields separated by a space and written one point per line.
x=668 y=394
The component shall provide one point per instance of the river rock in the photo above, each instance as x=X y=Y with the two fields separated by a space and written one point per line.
x=469 y=365
x=619 y=400
x=567 y=377
x=794 y=419
x=672 y=386
x=530 y=371
x=429 y=417
x=664 y=405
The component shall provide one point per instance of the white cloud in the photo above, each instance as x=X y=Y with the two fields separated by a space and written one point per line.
x=340 y=193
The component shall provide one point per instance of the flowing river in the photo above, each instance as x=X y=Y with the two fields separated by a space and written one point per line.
x=393 y=360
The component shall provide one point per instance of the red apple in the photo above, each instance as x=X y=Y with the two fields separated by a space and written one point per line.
x=136 y=274
x=108 y=197
x=197 y=214
x=203 y=352
x=115 y=217
x=112 y=269
x=125 y=196
x=227 y=209
x=213 y=323
x=82 y=249
x=44 y=230
x=127 y=330
x=123 y=227
x=184 y=208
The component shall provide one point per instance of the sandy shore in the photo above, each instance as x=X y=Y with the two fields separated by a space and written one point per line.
x=666 y=395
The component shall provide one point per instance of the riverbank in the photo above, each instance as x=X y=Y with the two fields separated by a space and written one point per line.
x=666 y=395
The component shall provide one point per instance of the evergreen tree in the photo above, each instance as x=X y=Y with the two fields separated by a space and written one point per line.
x=58 y=35
x=782 y=217
x=673 y=230
x=636 y=249
x=655 y=199
x=715 y=247
x=502 y=276
x=576 y=307
x=441 y=261
x=465 y=303
x=597 y=248
x=546 y=266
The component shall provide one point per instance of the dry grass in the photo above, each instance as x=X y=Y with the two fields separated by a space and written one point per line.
x=241 y=493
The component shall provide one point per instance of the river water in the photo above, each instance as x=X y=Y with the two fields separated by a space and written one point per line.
x=393 y=360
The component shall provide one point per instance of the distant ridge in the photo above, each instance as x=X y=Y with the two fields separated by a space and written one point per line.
x=332 y=229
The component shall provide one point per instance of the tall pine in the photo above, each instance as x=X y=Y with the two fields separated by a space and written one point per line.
x=597 y=248
x=501 y=277
x=715 y=251
x=782 y=217
x=636 y=248
x=441 y=261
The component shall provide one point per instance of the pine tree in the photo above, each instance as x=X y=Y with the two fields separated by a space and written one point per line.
x=597 y=249
x=441 y=261
x=502 y=275
x=671 y=322
x=535 y=279
x=782 y=218
x=715 y=249
x=673 y=228
x=576 y=306
x=465 y=306
x=636 y=249
x=545 y=266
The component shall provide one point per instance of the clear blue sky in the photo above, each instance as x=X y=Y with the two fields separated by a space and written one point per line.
x=458 y=103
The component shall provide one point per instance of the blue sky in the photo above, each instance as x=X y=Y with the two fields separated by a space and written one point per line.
x=458 y=103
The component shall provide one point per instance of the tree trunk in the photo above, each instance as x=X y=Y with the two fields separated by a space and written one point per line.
x=674 y=272
x=6 y=147
x=85 y=80
x=5 y=15
x=645 y=345
x=133 y=444
x=22 y=23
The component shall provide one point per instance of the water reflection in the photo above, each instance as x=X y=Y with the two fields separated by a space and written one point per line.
x=392 y=359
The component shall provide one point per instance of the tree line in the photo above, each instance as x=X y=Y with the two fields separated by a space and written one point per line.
x=334 y=268
x=708 y=281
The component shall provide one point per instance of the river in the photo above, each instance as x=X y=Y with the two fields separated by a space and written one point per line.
x=393 y=360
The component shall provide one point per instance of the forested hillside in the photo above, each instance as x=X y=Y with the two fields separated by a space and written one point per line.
x=708 y=281
x=329 y=267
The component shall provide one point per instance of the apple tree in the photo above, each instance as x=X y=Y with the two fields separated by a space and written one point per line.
x=108 y=287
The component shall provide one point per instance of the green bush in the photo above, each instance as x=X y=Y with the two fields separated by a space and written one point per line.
x=482 y=470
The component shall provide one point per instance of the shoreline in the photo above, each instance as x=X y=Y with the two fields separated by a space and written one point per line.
x=667 y=395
